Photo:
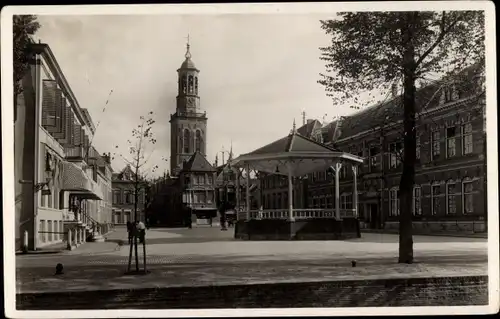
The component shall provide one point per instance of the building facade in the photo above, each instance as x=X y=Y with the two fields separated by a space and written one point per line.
x=450 y=189
x=197 y=181
x=124 y=187
x=56 y=185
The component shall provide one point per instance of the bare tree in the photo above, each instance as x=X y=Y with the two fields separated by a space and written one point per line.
x=138 y=157
x=372 y=50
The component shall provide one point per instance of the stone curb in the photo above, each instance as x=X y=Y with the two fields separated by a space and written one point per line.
x=472 y=235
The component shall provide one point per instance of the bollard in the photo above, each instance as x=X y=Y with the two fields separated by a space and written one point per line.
x=59 y=269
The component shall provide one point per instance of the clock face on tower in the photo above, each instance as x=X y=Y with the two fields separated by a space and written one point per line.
x=190 y=102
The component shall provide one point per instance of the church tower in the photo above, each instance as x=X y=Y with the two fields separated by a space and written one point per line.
x=188 y=125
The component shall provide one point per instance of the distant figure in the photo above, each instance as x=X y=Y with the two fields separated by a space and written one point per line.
x=141 y=229
x=222 y=211
x=129 y=231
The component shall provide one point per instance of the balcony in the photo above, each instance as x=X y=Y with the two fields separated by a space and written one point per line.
x=79 y=152
x=189 y=114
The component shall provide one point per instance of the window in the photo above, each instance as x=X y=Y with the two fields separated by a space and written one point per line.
x=190 y=84
x=201 y=198
x=468 y=197
x=467 y=138
x=116 y=197
x=374 y=152
x=201 y=179
x=435 y=144
x=210 y=179
x=41 y=231
x=450 y=142
x=435 y=198
x=345 y=201
x=210 y=197
x=186 y=141
x=196 y=85
x=417 y=149
x=198 y=141
x=393 y=158
x=417 y=200
x=451 y=204
x=448 y=93
x=49 y=230
x=394 y=202
x=278 y=199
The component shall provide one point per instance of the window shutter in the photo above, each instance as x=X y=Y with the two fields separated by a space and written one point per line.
x=77 y=139
x=55 y=113
x=61 y=118
x=70 y=122
x=48 y=103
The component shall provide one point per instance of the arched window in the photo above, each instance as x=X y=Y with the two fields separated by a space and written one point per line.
x=196 y=85
x=190 y=84
x=183 y=84
x=186 y=141
x=198 y=141
x=179 y=147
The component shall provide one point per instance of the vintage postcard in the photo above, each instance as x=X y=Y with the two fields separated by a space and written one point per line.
x=200 y=160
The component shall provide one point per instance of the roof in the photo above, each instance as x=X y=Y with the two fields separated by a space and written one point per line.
x=308 y=128
x=294 y=154
x=294 y=142
x=188 y=64
x=391 y=111
x=198 y=163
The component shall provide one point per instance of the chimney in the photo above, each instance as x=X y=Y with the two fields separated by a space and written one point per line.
x=394 y=89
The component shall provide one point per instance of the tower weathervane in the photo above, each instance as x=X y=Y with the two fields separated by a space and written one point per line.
x=188 y=53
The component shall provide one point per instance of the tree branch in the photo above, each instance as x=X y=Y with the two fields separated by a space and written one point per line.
x=440 y=37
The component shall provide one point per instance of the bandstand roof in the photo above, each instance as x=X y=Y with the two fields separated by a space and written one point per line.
x=296 y=153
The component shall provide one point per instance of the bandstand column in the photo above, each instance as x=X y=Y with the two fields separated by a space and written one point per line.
x=290 y=194
x=248 y=191
x=238 y=193
x=338 y=166
x=355 y=190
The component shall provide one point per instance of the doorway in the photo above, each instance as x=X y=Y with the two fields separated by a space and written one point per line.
x=374 y=216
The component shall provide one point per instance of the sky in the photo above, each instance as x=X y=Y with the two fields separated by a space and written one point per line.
x=257 y=74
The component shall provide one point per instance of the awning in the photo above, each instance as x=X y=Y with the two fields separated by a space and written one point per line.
x=76 y=181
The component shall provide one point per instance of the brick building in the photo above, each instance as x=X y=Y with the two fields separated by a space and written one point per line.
x=123 y=184
x=450 y=189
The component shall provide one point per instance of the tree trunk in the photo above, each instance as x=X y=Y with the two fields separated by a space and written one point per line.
x=409 y=157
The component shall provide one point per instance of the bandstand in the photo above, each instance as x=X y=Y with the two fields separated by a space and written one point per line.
x=296 y=156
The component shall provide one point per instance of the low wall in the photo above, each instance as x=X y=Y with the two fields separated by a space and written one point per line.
x=446 y=226
x=308 y=229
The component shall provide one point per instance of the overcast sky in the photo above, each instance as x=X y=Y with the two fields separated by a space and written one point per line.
x=258 y=72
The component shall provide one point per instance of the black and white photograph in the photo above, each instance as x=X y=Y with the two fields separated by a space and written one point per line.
x=198 y=160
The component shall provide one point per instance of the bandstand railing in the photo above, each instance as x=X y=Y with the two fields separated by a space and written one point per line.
x=297 y=214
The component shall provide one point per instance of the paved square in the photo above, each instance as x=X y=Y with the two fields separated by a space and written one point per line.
x=208 y=256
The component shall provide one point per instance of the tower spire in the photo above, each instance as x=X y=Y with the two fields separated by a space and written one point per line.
x=188 y=46
x=231 y=151
x=294 y=128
